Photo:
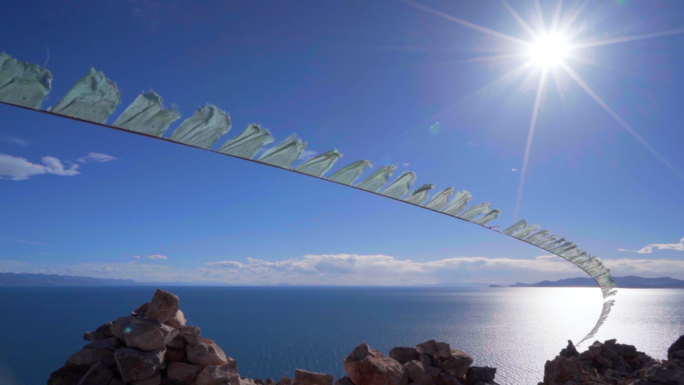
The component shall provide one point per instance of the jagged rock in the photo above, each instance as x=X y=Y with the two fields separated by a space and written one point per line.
x=226 y=374
x=98 y=374
x=445 y=378
x=341 y=381
x=191 y=334
x=177 y=321
x=104 y=331
x=142 y=310
x=605 y=361
x=177 y=342
x=163 y=306
x=182 y=374
x=304 y=377
x=98 y=351
x=68 y=375
x=404 y=355
x=457 y=365
x=434 y=348
x=247 y=381
x=480 y=374
x=667 y=373
x=415 y=370
x=148 y=335
x=676 y=347
x=595 y=349
x=570 y=351
x=206 y=352
x=428 y=360
x=366 y=366
x=136 y=365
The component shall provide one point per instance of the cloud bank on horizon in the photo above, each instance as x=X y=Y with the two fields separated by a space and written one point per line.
x=658 y=246
x=351 y=270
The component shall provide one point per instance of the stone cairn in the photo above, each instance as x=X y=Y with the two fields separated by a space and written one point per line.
x=152 y=346
x=615 y=364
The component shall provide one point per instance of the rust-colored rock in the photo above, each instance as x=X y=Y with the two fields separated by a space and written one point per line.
x=366 y=366
x=226 y=374
x=163 y=306
x=183 y=374
x=303 y=377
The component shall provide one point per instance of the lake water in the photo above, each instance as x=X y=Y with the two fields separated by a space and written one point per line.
x=272 y=331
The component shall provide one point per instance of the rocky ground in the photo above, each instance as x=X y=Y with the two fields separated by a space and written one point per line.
x=152 y=346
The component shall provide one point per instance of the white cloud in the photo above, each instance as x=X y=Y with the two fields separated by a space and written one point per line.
x=136 y=256
x=14 y=140
x=514 y=169
x=157 y=256
x=105 y=269
x=96 y=157
x=659 y=246
x=16 y=168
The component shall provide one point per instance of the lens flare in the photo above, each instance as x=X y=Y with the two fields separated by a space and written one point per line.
x=549 y=50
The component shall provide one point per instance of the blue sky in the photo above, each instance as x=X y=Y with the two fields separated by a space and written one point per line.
x=383 y=81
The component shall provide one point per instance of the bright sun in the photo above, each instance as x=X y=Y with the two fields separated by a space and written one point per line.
x=549 y=50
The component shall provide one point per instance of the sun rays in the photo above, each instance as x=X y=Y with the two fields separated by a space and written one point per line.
x=548 y=50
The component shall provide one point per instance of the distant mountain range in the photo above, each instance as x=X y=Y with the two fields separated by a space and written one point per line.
x=630 y=282
x=25 y=279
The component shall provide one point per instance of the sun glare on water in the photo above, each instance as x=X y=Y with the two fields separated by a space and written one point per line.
x=549 y=50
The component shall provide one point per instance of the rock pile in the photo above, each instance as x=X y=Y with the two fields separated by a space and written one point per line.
x=153 y=346
x=149 y=347
x=615 y=364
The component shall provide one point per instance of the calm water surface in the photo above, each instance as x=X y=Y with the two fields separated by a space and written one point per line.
x=272 y=331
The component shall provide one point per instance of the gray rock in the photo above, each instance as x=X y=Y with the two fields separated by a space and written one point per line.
x=104 y=331
x=435 y=349
x=476 y=374
x=595 y=349
x=675 y=347
x=569 y=351
x=177 y=342
x=609 y=352
x=366 y=366
x=415 y=370
x=206 y=352
x=98 y=351
x=136 y=365
x=163 y=306
x=667 y=373
x=445 y=378
x=303 y=377
x=120 y=327
x=428 y=360
x=285 y=381
x=142 y=310
x=98 y=374
x=457 y=365
x=404 y=355
x=182 y=374
x=148 y=335
x=226 y=374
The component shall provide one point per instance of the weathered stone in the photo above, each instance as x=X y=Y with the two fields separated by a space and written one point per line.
x=566 y=370
x=609 y=352
x=177 y=321
x=605 y=361
x=98 y=374
x=629 y=351
x=457 y=365
x=206 y=352
x=341 y=381
x=154 y=380
x=68 y=375
x=404 y=355
x=666 y=373
x=303 y=377
x=98 y=351
x=175 y=355
x=104 y=331
x=136 y=365
x=163 y=306
x=177 y=342
x=428 y=360
x=476 y=374
x=181 y=373
x=120 y=327
x=142 y=310
x=445 y=378
x=585 y=356
x=366 y=366
x=226 y=374
x=569 y=351
x=435 y=349
x=148 y=335
x=595 y=349
x=247 y=381
x=675 y=347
